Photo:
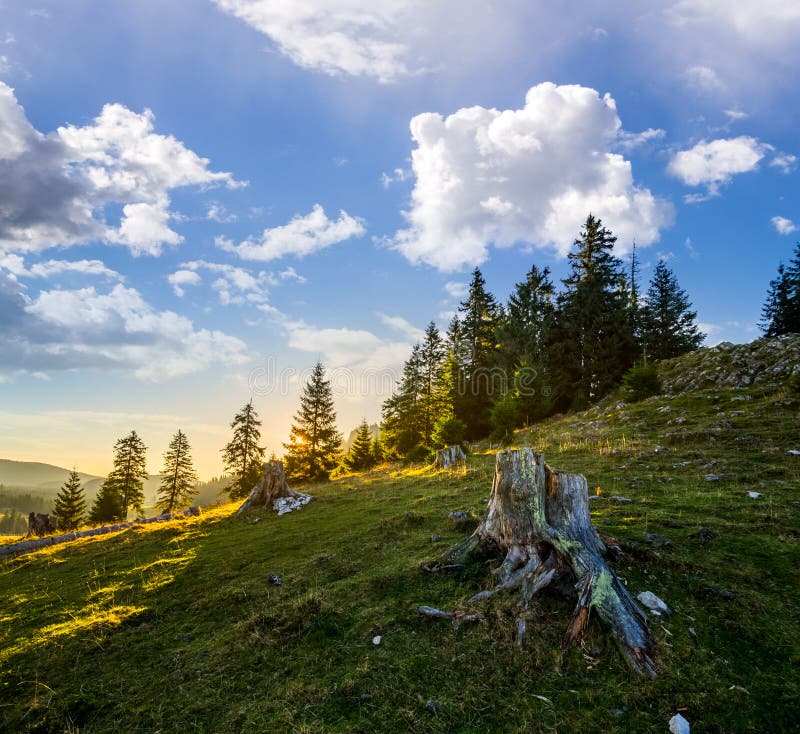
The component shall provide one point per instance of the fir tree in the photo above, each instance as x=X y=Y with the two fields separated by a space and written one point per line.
x=781 y=312
x=70 y=506
x=523 y=336
x=593 y=343
x=178 y=477
x=124 y=487
x=668 y=323
x=361 y=455
x=314 y=443
x=433 y=400
x=480 y=381
x=243 y=457
x=402 y=425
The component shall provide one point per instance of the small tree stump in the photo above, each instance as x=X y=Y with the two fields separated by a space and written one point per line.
x=538 y=521
x=270 y=489
x=450 y=457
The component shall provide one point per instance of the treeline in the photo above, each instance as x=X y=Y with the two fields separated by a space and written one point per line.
x=501 y=366
x=781 y=312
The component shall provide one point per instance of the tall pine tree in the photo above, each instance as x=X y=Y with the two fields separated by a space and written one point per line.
x=593 y=343
x=314 y=443
x=781 y=312
x=668 y=325
x=124 y=487
x=243 y=457
x=178 y=477
x=480 y=381
x=402 y=424
x=70 y=506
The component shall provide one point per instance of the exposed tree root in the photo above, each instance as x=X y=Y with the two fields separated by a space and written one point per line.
x=538 y=520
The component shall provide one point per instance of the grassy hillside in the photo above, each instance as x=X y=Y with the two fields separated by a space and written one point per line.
x=176 y=628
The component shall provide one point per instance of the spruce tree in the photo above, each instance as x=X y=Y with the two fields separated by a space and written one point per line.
x=178 y=477
x=433 y=402
x=668 y=324
x=781 y=312
x=361 y=455
x=243 y=457
x=314 y=443
x=480 y=379
x=593 y=343
x=70 y=505
x=523 y=336
x=403 y=421
x=124 y=487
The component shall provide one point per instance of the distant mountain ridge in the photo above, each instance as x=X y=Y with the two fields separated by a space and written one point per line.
x=37 y=475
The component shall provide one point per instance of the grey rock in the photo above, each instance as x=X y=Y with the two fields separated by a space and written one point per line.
x=274 y=579
x=653 y=603
x=458 y=515
x=678 y=725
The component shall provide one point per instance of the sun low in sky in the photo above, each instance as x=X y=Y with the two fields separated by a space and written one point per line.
x=198 y=200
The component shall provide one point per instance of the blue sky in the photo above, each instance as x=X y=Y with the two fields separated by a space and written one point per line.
x=193 y=191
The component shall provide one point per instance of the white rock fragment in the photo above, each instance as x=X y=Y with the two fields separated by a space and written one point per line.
x=754 y=495
x=678 y=725
x=376 y=640
x=653 y=603
x=282 y=505
x=794 y=452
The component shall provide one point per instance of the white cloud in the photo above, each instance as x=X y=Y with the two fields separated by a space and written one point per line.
x=289 y=273
x=784 y=162
x=399 y=175
x=529 y=175
x=456 y=289
x=233 y=285
x=218 y=213
x=55 y=188
x=334 y=36
x=783 y=225
x=734 y=115
x=404 y=327
x=714 y=163
x=302 y=236
x=630 y=141
x=703 y=79
x=15 y=265
x=181 y=278
x=117 y=330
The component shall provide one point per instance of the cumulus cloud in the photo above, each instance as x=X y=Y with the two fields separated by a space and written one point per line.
x=69 y=329
x=714 y=163
x=55 y=188
x=630 y=141
x=529 y=175
x=182 y=278
x=302 y=236
x=783 y=225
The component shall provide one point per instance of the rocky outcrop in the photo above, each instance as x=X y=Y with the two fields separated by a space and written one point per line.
x=761 y=362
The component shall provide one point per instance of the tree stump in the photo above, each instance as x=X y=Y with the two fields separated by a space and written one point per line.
x=538 y=521
x=273 y=491
x=450 y=457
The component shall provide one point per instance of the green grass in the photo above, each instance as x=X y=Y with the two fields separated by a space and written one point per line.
x=175 y=628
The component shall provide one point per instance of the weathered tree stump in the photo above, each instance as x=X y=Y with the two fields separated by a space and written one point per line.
x=538 y=520
x=273 y=491
x=450 y=457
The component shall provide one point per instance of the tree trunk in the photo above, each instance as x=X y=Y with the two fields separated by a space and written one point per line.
x=31 y=545
x=450 y=457
x=273 y=491
x=538 y=521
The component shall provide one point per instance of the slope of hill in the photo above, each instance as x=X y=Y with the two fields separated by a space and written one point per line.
x=177 y=628
x=35 y=475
